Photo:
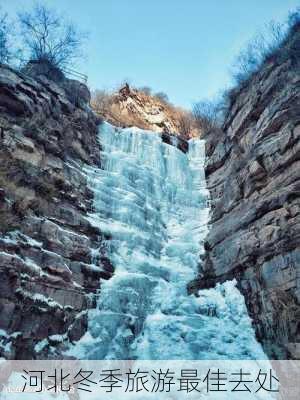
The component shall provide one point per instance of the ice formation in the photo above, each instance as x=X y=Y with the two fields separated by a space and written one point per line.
x=151 y=199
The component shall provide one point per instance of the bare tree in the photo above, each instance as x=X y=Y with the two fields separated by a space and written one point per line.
x=294 y=19
x=163 y=97
x=5 y=32
x=294 y=29
x=260 y=49
x=146 y=89
x=101 y=101
x=48 y=37
x=206 y=114
x=186 y=122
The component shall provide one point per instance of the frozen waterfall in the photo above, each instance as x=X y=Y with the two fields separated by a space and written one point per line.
x=151 y=199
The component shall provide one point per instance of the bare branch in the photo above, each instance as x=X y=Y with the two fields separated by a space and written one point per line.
x=49 y=37
x=206 y=114
x=186 y=122
x=5 y=52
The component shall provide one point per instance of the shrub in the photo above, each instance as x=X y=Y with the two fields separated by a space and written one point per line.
x=146 y=89
x=260 y=49
x=186 y=124
x=294 y=30
x=101 y=101
x=162 y=97
x=5 y=39
x=266 y=46
x=207 y=115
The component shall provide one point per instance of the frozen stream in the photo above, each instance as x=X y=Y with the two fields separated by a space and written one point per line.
x=152 y=199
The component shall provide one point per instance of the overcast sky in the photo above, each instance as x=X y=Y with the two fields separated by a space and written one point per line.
x=182 y=47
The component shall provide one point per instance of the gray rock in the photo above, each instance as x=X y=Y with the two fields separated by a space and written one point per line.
x=45 y=236
x=253 y=177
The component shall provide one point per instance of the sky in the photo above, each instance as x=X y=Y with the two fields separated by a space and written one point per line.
x=185 y=48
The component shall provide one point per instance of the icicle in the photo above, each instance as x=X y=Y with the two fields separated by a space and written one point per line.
x=152 y=199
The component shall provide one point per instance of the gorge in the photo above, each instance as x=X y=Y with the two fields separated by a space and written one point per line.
x=108 y=248
x=150 y=198
x=253 y=178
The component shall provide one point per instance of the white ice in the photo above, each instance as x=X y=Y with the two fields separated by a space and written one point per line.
x=152 y=200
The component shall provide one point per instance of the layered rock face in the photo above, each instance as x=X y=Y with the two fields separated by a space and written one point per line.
x=51 y=258
x=253 y=178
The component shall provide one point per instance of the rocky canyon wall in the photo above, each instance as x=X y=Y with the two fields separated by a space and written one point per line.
x=253 y=176
x=48 y=259
x=51 y=258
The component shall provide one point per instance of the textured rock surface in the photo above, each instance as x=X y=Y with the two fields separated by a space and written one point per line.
x=47 y=263
x=253 y=177
x=132 y=107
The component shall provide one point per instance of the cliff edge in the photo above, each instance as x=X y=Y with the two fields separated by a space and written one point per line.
x=50 y=255
x=253 y=177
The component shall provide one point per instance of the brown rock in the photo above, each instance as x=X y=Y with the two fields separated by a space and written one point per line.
x=45 y=236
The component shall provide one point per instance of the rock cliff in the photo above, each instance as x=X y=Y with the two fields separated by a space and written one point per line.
x=253 y=177
x=132 y=107
x=52 y=258
x=49 y=258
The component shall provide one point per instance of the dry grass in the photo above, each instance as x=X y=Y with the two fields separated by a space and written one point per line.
x=113 y=108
